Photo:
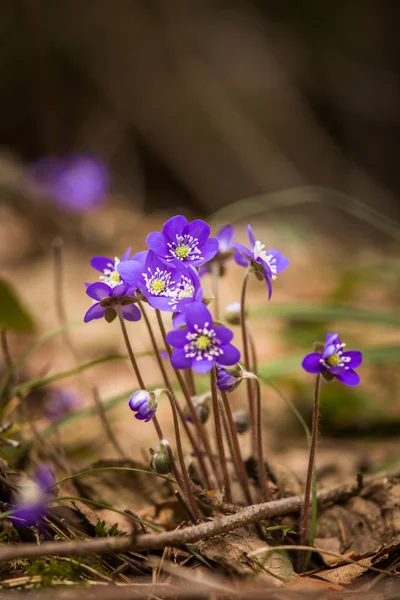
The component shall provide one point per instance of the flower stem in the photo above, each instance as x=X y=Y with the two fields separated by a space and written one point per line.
x=129 y=348
x=187 y=484
x=218 y=435
x=237 y=458
x=215 y=288
x=168 y=385
x=246 y=358
x=260 y=454
x=311 y=461
x=186 y=393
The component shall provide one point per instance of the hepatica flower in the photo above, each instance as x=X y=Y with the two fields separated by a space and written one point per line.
x=181 y=242
x=334 y=361
x=144 y=404
x=33 y=496
x=229 y=378
x=106 y=300
x=61 y=402
x=201 y=344
x=267 y=264
x=226 y=249
x=78 y=183
x=165 y=286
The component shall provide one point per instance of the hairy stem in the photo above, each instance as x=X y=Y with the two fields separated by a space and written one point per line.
x=218 y=435
x=215 y=288
x=259 y=443
x=247 y=365
x=311 y=461
x=129 y=348
x=198 y=424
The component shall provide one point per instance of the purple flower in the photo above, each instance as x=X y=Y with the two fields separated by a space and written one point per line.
x=333 y=361
x=228 y=379
x=107 y=298
x=181 y=242
x=201 y=344
x=33 y=497
x=61 y=402
x=165 y=287
x=108 y=268
x=77 y=183
x=267 y=263
x=144 y=404
x=225 y=250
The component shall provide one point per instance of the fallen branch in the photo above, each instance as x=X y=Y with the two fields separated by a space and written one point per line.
x=195 y=533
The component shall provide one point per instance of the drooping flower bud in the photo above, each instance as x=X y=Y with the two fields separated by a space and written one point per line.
x=144 y=404
x=208 y=297
x=232 y=313
x=161 y=462
x=229 y=378
x=202 y=406
x=241 y=419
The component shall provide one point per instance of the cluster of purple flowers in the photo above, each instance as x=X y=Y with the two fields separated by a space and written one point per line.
x=168 y=277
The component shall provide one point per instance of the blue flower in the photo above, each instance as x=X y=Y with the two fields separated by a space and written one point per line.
x=267 y=263
x=201 y=344
x=33 y=497
x=77 y=183
x=225 y=250
x=107 y=298
x=228 y=379
x=108 y=266
x=333 y=361
x=165 y=286
x=144 y=404
x=181 y=242
x=61 y=402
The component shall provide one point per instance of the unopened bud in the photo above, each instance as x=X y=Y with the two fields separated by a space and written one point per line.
x=229 y=378
x=232 y=313
x=161 y=462
x=242 y=420
x=202 y=408
x=208 y=297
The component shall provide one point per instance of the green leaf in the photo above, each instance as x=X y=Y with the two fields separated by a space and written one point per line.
x=13 y=315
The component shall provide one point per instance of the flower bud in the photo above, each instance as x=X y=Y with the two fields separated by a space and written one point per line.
x=161 y=462
x=242 y=420
x=208 y=297
x=229 y=378
x=144 y=404
x=201 y=404
x=232 y=313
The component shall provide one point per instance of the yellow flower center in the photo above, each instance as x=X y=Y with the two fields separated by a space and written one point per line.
x=333 y=360
x=115 y=276
x=202 y=342
x=182 y=251
x=157 y=285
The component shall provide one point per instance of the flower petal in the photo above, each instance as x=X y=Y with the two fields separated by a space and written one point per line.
x=203 y=365
x=130 y=271
x=126 y=254
x=243 y=250
x=331 y=338
x=356 y=358
x=140 y=256
x=179 y=320
x=157 y=243
x=347 y=376
x=131 y=312
x=230 y=356
x=177 y=338
x=225 y=238
x=252 y=239
x=179 y=359
x=240 y=259
x=95 y=312
x=102 y=262
x=200 y=230
x=268 y=281
x=160 y=303
x=198 y=314
x=224 y=334
x=98 y=290
x=120 y=290
x=311 y=363
x=208 y=251
x=174 y=227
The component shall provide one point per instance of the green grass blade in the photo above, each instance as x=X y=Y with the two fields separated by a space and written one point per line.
x=101 y=469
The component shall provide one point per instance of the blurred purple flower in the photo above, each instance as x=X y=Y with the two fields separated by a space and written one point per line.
x=32 y=499
x=107 y=298
x=144 y=404
x=61 y=402
x=225 y=250
x=181 y=242
x=269 y=263
x=201 y=343
x=333 y=361
x=77 y=183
